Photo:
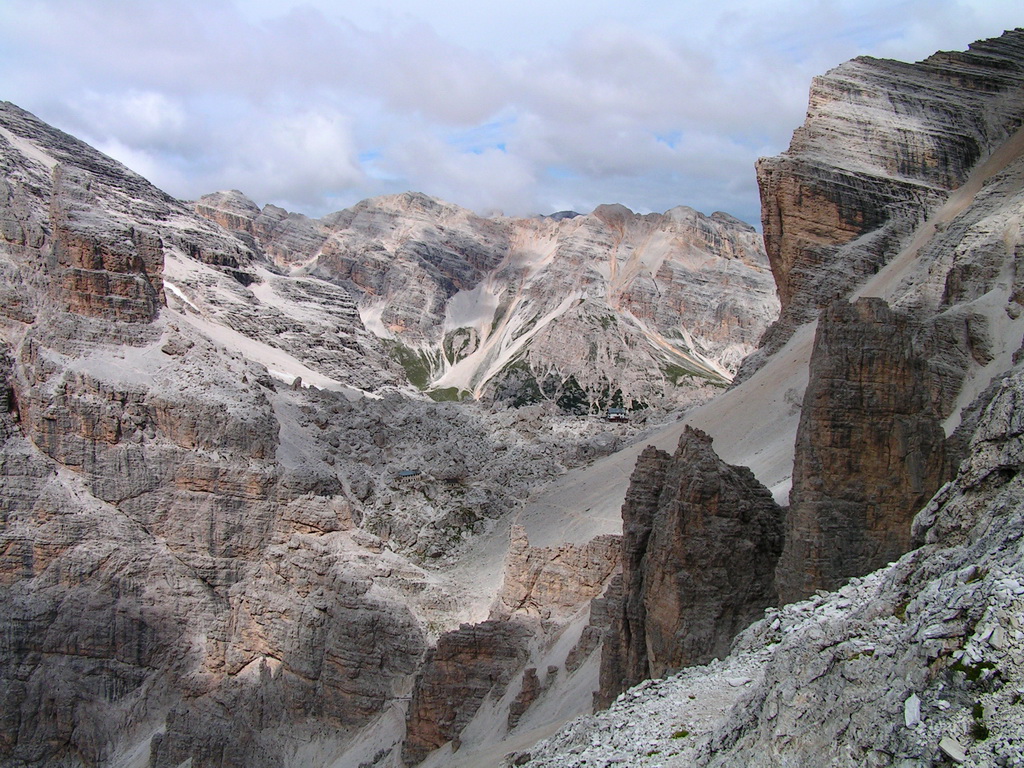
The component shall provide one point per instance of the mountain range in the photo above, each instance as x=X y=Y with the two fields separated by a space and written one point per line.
x=340 y=492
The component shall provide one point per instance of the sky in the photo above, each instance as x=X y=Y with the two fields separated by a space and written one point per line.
x=520 y=107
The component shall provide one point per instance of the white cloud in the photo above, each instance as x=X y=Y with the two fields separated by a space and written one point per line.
x=520 y=106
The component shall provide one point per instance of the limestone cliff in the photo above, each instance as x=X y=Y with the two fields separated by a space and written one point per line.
x=870 y=449
x=883 y=144
x=920 y=663
x=164 y=559
x=893 y=225
x=228 y=531
x=467 y=665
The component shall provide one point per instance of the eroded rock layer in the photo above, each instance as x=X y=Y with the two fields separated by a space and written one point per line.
x=553 y=582
x=467 y=665
x=586 y=311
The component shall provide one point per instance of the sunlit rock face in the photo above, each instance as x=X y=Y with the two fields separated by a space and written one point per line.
x=586 y=311
x=883 y=144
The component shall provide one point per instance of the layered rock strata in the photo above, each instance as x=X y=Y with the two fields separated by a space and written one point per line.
x=544 y=590
x=883 y=144
x=910 y=665
x=700 y=543
x=552 y=583
x=916 y=663
x=467 y=665
x=184 y=573
x=870 y=449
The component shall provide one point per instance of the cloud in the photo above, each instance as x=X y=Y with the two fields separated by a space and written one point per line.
x=523 y=106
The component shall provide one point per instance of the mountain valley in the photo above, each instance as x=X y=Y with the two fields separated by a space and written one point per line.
x=345 y=492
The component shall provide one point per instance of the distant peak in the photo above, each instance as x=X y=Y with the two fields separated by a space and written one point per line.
x=613 y=213
x=230 y=199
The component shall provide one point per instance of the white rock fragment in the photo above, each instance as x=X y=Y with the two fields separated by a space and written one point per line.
x=953 y=749
x=736 y=682
x=912 y=710
x=998 y=639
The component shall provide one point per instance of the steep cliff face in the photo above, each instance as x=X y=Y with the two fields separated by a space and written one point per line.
x=585 y=311
x=870 y=449
x=897 y=253
x=919 y=663
x=488 y=671
x=553 y=582
x=467 y=665
x=699 y=548
x=227 y=529
x=883 y=144
x=155 y=528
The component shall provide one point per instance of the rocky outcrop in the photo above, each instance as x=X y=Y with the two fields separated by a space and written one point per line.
x=916 y=663
x=202 y=560
x=179 y=542
x=700 y=543
x=930 y=640
x=467 y=665
x=870 y=449
x=604 y=610
x=553 y=582
x=883 y=144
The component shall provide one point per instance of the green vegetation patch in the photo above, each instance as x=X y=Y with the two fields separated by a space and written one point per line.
x=573 y=398
x=417 y=363
x=460 y=343
x=677 y=373
x=979 y=731
x=517 y=385
x=973 y=672
x=449 y=395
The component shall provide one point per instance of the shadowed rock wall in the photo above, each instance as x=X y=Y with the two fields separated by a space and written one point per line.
x=700 y=543
x=870 y=449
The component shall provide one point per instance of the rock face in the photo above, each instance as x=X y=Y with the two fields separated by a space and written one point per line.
x=893 y=223
x=938 y=627
x=554 y=582
x=473 y=662
x=586 y=311
x=699 y=548
x=224 y=518
x=543 y=591
x=922 y=653
x=870 y=449
x=166 y=559
x=883 y=143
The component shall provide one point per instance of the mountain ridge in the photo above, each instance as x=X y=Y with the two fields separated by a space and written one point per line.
x=488 y=308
